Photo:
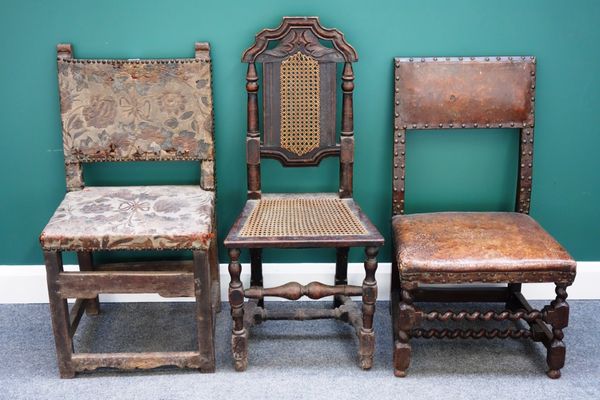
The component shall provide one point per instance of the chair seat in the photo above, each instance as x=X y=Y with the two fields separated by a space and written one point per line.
x=302 y=220
x=132 y=218
x=476 y=244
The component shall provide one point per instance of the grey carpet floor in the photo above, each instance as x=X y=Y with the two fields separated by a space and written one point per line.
x=289 y=360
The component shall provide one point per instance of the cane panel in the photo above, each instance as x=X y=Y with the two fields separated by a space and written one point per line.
x=301 y=216
x=300 y=104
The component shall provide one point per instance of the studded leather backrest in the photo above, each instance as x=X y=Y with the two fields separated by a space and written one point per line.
x=132 y=110
x=464 y=92
x=433 y=93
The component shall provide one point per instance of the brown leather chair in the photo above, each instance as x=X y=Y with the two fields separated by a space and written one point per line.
x=139 y=110
x=299 y=63
x=472 y=247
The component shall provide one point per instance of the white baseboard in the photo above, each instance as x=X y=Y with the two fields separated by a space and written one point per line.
x=27 y=283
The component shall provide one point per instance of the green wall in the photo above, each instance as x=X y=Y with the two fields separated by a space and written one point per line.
x=455 y=170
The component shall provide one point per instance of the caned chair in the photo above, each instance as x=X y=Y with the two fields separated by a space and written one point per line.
x=134 y=110
x=299 y=63
x=507 y=248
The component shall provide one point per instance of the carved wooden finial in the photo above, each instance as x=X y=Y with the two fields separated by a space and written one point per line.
x=64 y=50
x=203 y=51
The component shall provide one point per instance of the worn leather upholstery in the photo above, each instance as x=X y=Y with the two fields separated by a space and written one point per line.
x=132 y=218
x=461 y=242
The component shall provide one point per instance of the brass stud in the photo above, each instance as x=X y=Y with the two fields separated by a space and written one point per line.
x=475 y=124
x=450 y=125
x=422 y=60
x=426 y=125
x=434 y=58
x=414 y=126
x=512 y=124
x=460 y=58
x=395 y=140
x=397 y=115
x=487 y=59
x=463 y=125
x=410 y=59
x=441 y=125
x=487 y=125
x=397 y=78
x=499 y=125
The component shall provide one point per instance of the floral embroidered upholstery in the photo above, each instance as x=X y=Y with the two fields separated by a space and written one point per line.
x=136 y=110
x=132 y=218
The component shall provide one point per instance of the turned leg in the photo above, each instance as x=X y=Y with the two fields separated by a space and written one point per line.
x=213 y=256
x=256 y=275
x=394 y=287
x=341 y=271
x=404 y=321
x=557 y=316
x=59 y=312
x=86 y=263
x=369 y=297
x=204 y=310
x=239 y=335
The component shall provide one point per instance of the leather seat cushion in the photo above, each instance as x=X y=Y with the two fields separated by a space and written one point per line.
x=476 y=242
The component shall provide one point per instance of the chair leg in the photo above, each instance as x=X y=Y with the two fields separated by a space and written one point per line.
x=239 y=335
x=86 y=263
x=204 y=310
x=213 y=255
x=341 y=271
x=59 y=312
x=511 y=302
x=404 y=320
x=369 y=297
x=256 y=273
x=557 y=316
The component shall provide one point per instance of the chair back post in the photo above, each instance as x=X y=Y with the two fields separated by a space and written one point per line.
x=208 y=174
x=73 y=169
x=253 y=134
x=464 y=92
x=347 y=133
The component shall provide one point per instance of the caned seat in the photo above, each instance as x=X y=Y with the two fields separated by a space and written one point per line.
x=132 y=218
x=319 y=218
x=467 y=242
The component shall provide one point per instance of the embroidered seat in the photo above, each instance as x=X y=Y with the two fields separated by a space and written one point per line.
x=132 y=218
x=134 y=110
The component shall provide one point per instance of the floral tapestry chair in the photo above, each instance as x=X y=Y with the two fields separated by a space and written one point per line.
x=134 y=110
